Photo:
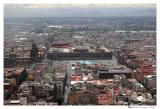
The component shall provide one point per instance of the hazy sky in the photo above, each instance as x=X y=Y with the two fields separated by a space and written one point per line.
x=78 y=10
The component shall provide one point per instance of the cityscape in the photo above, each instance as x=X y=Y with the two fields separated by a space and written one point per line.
x=90 y=58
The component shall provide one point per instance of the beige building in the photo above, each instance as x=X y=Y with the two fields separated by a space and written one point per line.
x=83 y=97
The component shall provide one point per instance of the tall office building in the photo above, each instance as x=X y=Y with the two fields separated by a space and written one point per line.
x=34 y=53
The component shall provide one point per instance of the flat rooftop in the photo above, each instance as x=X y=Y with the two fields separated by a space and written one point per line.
x=68 y=48
x=13 y=70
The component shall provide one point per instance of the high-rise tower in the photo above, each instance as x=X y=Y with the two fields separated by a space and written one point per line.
x=34 y=53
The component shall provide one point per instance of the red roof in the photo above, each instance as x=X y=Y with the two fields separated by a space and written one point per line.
x=76 y=78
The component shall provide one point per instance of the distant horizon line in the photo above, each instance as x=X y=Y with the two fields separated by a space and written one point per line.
x=74 y=16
